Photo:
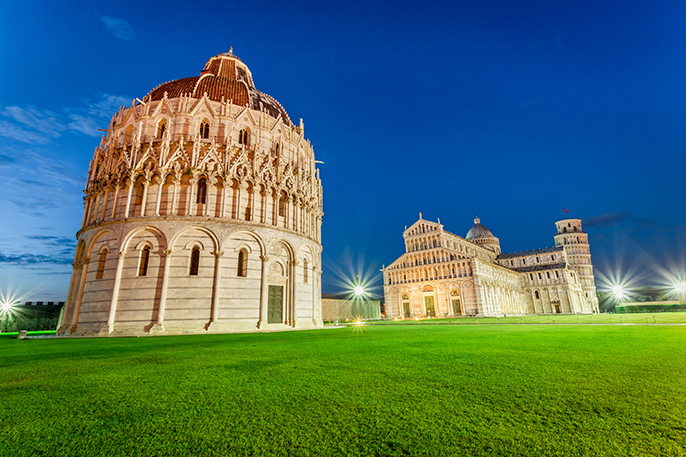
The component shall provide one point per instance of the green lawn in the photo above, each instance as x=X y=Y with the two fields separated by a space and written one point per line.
x=378 y=390
x=632 y=318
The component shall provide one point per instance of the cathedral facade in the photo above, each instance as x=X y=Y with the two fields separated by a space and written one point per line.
x=203 y=212
x=445 y=275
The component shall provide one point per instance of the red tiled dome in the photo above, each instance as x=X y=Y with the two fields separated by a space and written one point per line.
x=224 y=78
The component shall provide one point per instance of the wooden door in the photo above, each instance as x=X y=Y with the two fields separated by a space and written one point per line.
x=275 y=305
x=457 y=309
x=430 y=310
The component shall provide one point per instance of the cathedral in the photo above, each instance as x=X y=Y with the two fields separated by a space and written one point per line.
x=203 y=212
x=445 y=275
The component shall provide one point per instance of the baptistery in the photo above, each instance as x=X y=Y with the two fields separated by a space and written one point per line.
x=202 y=213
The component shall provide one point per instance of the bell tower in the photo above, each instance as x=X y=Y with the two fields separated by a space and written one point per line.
x=574 y=240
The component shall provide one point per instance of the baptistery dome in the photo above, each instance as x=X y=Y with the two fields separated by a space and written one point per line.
x=203 y=210
x=224 y=78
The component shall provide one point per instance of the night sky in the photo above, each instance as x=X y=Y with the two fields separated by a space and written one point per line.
x=509 y=111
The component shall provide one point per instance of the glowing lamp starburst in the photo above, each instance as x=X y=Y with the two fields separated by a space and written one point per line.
x=680 y=288
x=6 y=306
x=619 y=292
x=359 y=290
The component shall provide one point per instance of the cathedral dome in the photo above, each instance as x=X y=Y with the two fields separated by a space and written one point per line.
x=225 y=78
x=479 y=232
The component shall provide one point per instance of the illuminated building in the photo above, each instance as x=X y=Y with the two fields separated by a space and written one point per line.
x=445 y=275
x=203 y=212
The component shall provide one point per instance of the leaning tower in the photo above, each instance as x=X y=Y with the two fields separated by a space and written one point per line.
x=574 y=240
x=203 y=211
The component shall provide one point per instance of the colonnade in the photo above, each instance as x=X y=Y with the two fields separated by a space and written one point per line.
x=245 y=202
x=498 y=299
x=443 y=271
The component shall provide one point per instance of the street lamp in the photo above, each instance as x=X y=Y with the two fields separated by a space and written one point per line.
x=618 y=292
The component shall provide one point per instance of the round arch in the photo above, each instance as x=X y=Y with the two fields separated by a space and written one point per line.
x=159 y=234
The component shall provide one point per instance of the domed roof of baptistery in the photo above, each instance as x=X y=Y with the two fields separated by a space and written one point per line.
x=478 y=232
x=225 y=78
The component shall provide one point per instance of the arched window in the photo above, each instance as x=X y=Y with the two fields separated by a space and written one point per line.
x=276 y=150
x=101 y=264
x=282 y=207
x=195 y=262
x=536 y=294
x=306 y=268
x=143 y=264
x=204 y=129
x=161 y=128
x=242 y=263
x=202 y=191
x=244 y=136
x=128 y=134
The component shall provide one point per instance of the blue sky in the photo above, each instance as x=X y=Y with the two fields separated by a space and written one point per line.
x=512 y=110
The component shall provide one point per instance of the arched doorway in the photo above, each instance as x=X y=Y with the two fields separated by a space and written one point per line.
x=406 y=305
x=429 y=302
x=456 y=301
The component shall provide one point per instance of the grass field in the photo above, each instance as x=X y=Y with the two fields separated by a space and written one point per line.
x=377 y=390
x=578 y=319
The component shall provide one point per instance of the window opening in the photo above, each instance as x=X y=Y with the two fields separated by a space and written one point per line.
x=243 y=136
x=101 y=264
x=145 y=257
x=242 y=263
x=202 y=191
x=161 y=129
x=204 y=130
x=195 y=262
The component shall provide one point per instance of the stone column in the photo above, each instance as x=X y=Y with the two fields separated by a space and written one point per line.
x=264 y=292
x=217 y=286
x=144 y=201
x=294 y=283
x=160 y=186
x=128 y=200
x=70 y=304
x=315 y=278
x=86 y=208
x=209 y=185
x=191 y=204
x=103 y=215
x=223 y=203
x=94 y=213
x=175 y=200
x=275 y=212
x=239 y=195
x=79 y=295
x=115 y=291
x=115 y=203
x=263 y=207
x=163 y=293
